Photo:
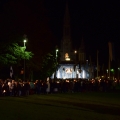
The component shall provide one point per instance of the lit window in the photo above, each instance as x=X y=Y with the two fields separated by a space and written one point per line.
x=67 y=57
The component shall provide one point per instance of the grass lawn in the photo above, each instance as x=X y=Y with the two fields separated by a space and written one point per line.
x=69 y=106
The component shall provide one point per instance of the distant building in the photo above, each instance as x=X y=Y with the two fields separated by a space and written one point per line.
x=73 y=63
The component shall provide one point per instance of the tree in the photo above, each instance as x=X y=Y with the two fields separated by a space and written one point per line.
x=13 y=54
x=49 y=65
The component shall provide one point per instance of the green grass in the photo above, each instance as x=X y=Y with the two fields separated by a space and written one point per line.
x=69 y=106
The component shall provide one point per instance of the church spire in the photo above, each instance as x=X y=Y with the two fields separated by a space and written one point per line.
x=66 y=41
x=66 y=27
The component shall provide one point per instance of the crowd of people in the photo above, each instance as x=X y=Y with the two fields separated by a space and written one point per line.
x=22 y=88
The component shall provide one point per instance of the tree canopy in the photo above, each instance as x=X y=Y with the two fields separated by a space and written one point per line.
x=49 y=65
x=12 y=53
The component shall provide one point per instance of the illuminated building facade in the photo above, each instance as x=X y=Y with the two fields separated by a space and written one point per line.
x=71 y=71
x=73 y=63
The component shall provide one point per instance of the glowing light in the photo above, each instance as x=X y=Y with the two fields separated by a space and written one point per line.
x=112 y=70
x=68 y=70
x=47 y=79
x=75 y=51
x=9 y=83
x=77 y=71
x=83 y=74
x=67 y=59
x=67 y=80
x=4 y=91
x=56 y=50
x=58 y=74
x=58 y=82
x=24 y=41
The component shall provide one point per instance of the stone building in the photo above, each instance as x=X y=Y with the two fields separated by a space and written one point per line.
x=73 y=63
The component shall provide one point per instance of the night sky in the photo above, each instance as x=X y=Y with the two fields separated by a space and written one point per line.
x=42 y=21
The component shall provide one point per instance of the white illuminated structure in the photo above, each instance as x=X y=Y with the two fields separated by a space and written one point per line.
x=73 y=64
x=68 y=71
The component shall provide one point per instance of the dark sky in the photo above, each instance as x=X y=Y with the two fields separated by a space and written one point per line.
x=97 y=22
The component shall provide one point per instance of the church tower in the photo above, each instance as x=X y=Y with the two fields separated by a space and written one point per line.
x=66 y=44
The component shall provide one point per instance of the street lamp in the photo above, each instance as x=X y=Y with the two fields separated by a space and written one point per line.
x=56 y=62
x=56 y=53
x=75 y=55
x=76 y=62
x=107 y=73
x=24 y=41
